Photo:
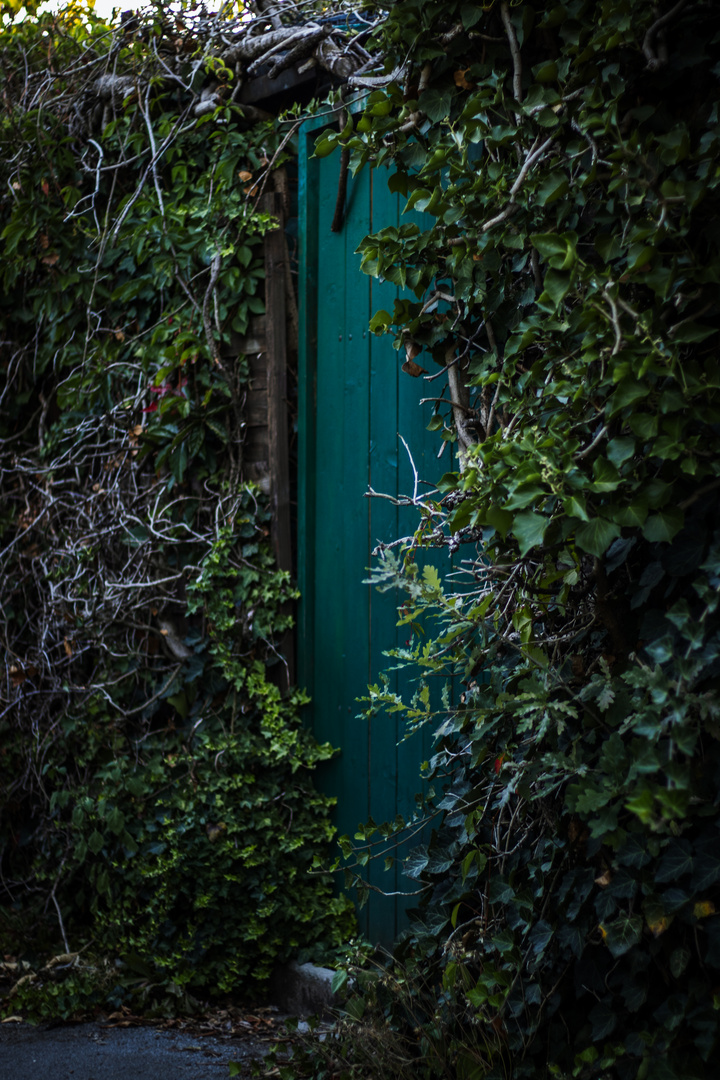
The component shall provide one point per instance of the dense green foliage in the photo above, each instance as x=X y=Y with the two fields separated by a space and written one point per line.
x=156 y=784
x=569 y=156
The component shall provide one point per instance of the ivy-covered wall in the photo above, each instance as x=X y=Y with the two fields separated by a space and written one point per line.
x=157 y=788
x=566 y=295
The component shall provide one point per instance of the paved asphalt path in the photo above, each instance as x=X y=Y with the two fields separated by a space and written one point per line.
x=94 y=1052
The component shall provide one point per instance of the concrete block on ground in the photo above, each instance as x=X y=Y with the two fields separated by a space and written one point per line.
x=303 y=989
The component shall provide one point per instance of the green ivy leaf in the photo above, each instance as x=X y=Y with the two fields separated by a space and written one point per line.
x=470 y=15
x=620 y=449
x=662 y=527
x=116 y=821
x=627 y=393
x=416 y=862
x=436 y=103
x=380 y=321
x=677 y=861
x=621 y=934
x=96 y=842
x=596 y=536
x=575 y=507
x=528 y=528
x=553 y=187
x=326 y=144
x=604 y=1020
x=499 y=519
x=556 y=286
x=679 y=960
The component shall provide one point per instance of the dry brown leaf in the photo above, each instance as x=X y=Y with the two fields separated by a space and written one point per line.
x=68 y=647
x=411 y=368
x=460 y=79
x=50 y=260
x=604 y=880
x=61 y=958
x=244 y=175
x=134 y=435
x=25 y=980
x=17 y=675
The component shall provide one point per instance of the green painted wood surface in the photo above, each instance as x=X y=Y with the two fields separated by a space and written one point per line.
x=354 y=403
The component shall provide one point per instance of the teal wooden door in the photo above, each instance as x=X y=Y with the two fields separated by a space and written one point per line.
x=355 y=403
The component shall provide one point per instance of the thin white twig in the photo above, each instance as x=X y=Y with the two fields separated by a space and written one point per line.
x=514 y=50
x=591 y=446
x=415 y=472
x=60 y=920
x=153 y=148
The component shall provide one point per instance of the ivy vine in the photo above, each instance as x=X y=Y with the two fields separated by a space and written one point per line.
x=566 y=287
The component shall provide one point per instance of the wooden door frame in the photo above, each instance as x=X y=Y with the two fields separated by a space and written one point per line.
x=308 y=233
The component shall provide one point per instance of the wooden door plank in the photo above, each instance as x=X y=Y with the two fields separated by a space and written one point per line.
x=413 y=419
x=341 y=610
x=331 y=585
x=383 y=477
x=412 y=424
x=328 y=673
x=353 y=511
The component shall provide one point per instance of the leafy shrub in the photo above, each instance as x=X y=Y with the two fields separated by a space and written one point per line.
x=196 y=849
x=567 y=156
x=198 y=856
x=157 y=785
